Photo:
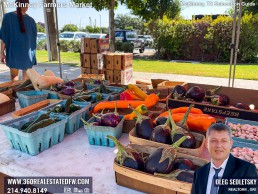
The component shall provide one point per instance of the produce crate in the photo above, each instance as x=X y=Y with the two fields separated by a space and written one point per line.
x=242 y=144
x=92 y=76
x=158 y=109
x=51 y=94
x=200 y=142
x=169 y=85
x=242 y=122
x=112 y=88
x=129 y=124
x=235 y=95
x=74 y=119
x=8 y=93
x=97 y=135
x=7 y=107
x=27 y=88
x=11 y=84
x=148 y=183
x=35 y=142
x=33 y=108
x=27 y=98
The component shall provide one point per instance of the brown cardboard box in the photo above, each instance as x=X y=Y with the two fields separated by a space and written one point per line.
x=97 y=61
x=123 y=77
x=85 y=45
x=123 y=61
x=235 y=95
x=85 y=60
x=86 y=70
x=99 y=45
x=110 y=75
x=109 y=61
x=94 y=71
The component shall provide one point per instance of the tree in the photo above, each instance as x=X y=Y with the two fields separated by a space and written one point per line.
x=106 y=4
x=154 y=9
x=69 y=27
x=252 y=8
x=40 y=28
x=123 y=21
x=91 y=29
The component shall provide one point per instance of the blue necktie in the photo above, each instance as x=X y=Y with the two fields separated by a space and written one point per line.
x=214 y=188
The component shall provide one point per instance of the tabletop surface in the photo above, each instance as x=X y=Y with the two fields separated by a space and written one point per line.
x=74 y=156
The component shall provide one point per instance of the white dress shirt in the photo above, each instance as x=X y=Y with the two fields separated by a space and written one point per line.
x=212 y=173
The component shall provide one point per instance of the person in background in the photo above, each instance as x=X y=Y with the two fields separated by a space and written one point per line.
x=223 y=164
x=18 y=36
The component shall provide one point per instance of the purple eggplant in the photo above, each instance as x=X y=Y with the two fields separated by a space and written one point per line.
x=70 y=84
x=68 y=91
x=220 y=100
x=196 y=93
x=127 y=156
x=178 y=92
x=183 y=164
x=210 y=93
x=143 y=126
x=181 y=175
x=59 y=86
x=109 y=119
x=242 y=106
x=161 y=133
x=97 y=82
x=161 y=120
x=181 y=129
x=161 y=160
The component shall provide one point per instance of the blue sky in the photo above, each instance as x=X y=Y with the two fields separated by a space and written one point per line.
x=81 y=16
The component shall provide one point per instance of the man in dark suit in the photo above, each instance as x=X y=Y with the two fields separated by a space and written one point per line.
x=223 y=165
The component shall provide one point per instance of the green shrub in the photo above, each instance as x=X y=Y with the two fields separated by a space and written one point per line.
x=64 y=45
x=75 y=46
x=118 y=46
x=248 y=43
x=127 y=47
x=41 y=44
x=205 y=39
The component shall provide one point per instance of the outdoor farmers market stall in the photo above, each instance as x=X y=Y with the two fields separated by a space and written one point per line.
x=100 y=125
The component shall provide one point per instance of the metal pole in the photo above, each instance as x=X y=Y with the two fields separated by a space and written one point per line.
x=100 y=23
x=58 y=43
x=45 y=9
x=237 y=40
x=232 y=46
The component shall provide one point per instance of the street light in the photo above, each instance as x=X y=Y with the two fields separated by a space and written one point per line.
x=100 y=23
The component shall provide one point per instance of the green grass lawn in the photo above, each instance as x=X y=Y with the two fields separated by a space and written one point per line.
x=243 y=71
x=66 y=58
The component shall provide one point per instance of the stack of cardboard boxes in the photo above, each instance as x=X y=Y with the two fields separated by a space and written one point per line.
x=95 y=59
x=119 y=67
x=92 y=51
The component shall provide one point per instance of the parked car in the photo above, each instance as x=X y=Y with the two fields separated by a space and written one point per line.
x=143 y=39
x=73 y=36
x=130 y=36
x=100 y=36
x=149 y=40
x=41 y=36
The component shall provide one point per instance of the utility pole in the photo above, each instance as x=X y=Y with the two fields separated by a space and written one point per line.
x=51 y=29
